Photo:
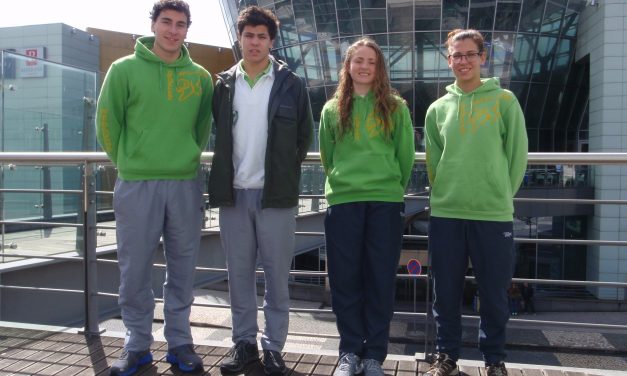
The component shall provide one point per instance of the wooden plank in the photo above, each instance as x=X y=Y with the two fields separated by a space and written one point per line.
x=406 y=368
x=306 y=365
x=423 y=366
x=389 y=367
x=325 y=365
x=552 y=372
x=469 y=370
x=532 y=372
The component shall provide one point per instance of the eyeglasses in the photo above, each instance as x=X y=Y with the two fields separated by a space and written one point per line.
x=470 y=57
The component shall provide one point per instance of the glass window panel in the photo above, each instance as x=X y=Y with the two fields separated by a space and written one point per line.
x=507 y=15
x=428 y=55
x=374 y=21
x=544 y=58
x=535 y=103
x=313 y=64
x=317 y=98
x=400 y=15
x=293 y=58
x=569 y=28
x=326 y=20
x=563 y=58
x=532 y=137
x=552 y=106
x=482 y=14
x=553 y=16
x=427 y=15
x=501 y=55
x=545 y=140
x=454 y=14
x=373 y=3
x=246 y=3
x=520 y=90
x=426 y=92
x=287 y=31
x=304 y=19
x=349 y=17
x=331 y=60
x=265 y=3
x=400 y=56
x=485 y=68
x=524 y=52
x=532 y=12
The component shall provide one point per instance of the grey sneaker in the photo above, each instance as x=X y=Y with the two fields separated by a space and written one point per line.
x=496 y=369
x=185 y=358
x=349 y=365
x=443 y=365
x=129 y=362
x=372 y=367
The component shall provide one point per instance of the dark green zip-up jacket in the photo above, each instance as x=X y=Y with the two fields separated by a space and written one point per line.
x=290 y=131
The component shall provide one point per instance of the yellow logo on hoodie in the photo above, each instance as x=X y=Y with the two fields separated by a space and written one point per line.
x=188 y=84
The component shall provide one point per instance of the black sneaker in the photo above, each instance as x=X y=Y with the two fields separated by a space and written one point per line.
x=273 y=364
x=129 y=362
x=185 y=358
x=443 y=365
x=240 y=356
x=496 y=369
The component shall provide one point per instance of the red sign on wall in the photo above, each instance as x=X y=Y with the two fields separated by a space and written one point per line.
x=31 y=67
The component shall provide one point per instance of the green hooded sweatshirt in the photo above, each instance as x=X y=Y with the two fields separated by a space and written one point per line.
x=365 y=164
x=153 y=119
x=476 y=146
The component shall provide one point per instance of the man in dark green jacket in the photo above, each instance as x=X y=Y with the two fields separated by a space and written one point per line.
x=263 y=130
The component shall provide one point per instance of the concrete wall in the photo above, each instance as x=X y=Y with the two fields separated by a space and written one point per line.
x=602 y=36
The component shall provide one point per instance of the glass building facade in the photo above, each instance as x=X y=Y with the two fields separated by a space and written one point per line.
x=530 y=47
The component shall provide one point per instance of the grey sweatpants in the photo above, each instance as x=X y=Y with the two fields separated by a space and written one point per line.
x=250 y=233
x=144 y=211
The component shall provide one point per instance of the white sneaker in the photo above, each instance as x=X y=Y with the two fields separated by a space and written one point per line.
x=349 y=365
x=372 y=367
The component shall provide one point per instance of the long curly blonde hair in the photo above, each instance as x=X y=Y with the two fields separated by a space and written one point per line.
x=385 y=96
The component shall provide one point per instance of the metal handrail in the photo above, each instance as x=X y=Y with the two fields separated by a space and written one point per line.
x=92 y=158
x=312 y=157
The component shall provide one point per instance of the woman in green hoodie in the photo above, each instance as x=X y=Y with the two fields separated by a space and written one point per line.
x=476 y=144
x=367 y=151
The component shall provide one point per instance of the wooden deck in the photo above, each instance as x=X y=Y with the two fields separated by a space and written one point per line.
x=37 y=352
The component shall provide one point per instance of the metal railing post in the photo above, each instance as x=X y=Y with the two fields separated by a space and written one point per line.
x=89 y=250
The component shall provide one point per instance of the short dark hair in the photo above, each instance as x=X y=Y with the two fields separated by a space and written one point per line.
x=177 y=5
x=255 y=16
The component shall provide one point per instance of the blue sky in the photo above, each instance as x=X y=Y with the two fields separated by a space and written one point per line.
x=129 y=16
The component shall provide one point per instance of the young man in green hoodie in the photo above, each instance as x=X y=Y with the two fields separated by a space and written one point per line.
x=476 y=144
x=153 y=120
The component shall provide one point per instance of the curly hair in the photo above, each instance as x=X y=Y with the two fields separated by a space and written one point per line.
x=385 y=96
x=255 y=16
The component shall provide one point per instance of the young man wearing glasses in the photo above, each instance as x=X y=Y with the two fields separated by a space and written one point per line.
x=476 y=144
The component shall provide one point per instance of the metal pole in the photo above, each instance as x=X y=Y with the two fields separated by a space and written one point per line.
x=89 y=250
